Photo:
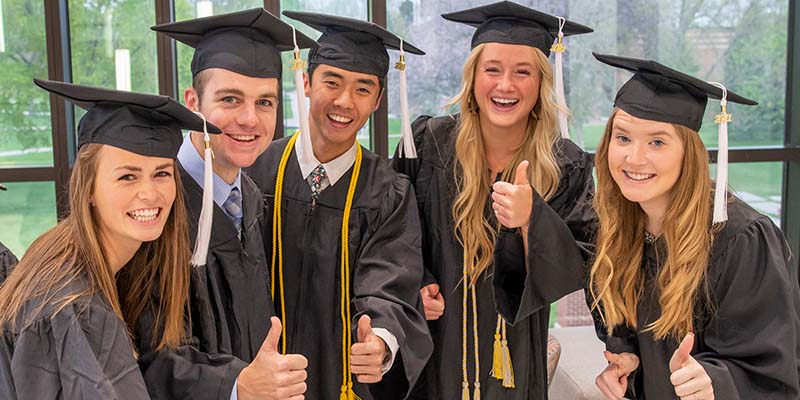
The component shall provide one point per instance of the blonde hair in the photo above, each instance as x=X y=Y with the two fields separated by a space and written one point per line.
x=473 y=230
x=72 y=251
x=617 y=280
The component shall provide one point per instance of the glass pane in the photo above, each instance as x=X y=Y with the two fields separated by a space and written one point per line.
x=758 y=184
x=345 y=8
x=112 y=44
x=27 y=210
x=190 y=9
x=740 y=43
x=25 y=138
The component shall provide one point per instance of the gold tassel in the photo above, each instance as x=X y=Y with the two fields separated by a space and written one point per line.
x=465 y=391
x=508 y=367
x=343 y=393
x=497 y=362
x=477 y=395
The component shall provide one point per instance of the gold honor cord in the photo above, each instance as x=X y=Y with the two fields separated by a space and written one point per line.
x=347 y=392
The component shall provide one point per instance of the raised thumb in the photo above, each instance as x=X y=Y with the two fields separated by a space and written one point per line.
x=682 y=354
x=521 y=176
x=364 y=328
x=273 y=336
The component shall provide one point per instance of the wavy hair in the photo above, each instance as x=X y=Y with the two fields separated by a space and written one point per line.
x=617 y=280
x=472 y=228
x=72 y=251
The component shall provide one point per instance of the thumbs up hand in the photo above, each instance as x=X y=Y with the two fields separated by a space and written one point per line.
x=512 y=202
x=689 y=378
x=432 y=301
x=367 y=356
x=613 y=381
x=273 y=375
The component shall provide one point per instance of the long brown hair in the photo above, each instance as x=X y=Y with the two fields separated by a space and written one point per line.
x=473 y=230
x=617 y=279
x=72 y=251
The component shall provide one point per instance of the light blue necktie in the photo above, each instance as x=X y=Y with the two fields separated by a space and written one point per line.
x=233 y=205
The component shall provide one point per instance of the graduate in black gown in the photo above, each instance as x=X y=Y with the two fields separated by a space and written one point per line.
x=507 y=130
x=7 y=259
x=350 y=306
x=693 y=301
x=236 y=70
x=66 y=311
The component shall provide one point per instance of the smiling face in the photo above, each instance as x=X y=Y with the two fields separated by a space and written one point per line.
x=132 y=197
x=244 y=108
x=341 y=102
x=506 y=86
x=645 y=159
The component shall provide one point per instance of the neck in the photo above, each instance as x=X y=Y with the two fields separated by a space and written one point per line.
x=118 y=252
x=223 y=170
x=500 y=144
x=655 y=217
x=326 y=151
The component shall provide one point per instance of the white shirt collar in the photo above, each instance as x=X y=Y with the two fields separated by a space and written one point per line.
x=335 y=168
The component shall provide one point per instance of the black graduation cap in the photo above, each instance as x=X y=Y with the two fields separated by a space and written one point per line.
x=659 y=93
x=512 y=23
x=145 y=124
x=351 y=44
x=246 y=42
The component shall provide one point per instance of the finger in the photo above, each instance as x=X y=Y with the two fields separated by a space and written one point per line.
x=433 y=290
x=294 y=389
x=612 y=358
x=370 y=347
x=292 y=379
x=503 y=188
x=521 y=176
x=608 y=386
x=270 y=344
x=296 y=362
x=369 y=378
x=682 y=354
x=364 y=328
x=433 y=306
x=689 y=388
x=366 y=364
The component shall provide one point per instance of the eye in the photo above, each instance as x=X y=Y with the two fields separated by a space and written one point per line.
x=622 y=138
x=525 y=72
x=331 y=84
x=163 y=174
x=229 y=100
x=658 y=142
x=127 y=178
x=265 y=103
x=363 y=90
x=492 y=70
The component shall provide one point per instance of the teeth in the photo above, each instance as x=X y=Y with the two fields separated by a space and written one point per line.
x=243 y=138
x=639 y=177
x=504 y=101
x=145 y=214
x=339 y=118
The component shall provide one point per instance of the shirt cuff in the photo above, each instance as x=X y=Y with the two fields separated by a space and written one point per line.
x=235 y=391
x=391 y=343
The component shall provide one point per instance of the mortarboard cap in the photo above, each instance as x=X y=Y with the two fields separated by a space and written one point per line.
x=659 y=93
x=351 y=44
x=246 y=42
x=144 y=124
x=512 y=23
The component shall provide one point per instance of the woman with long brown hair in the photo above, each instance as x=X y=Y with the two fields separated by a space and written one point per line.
x=695 y=298
x=507 y=130
x=67 y=309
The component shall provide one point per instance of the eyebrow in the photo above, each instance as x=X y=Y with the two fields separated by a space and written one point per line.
x=139 y=169
x=237 y=92
x=519 y=64
x=654 y=133
x=363 y=81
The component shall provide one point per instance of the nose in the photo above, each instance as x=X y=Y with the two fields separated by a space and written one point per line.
x=147 y=191
x=505 y=84
x=637 y=155
x=247 y=116
x=343 y=100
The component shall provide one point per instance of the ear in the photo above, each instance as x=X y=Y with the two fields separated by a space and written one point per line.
x=307 y=84
x=191 y=99
x=378 y=100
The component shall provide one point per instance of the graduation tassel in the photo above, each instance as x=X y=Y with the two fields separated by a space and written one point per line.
x=407 y=149
x=200 y=253
x=561 y=100
x=345 y=276
x=497 y=361
x=465 y=316
x=477 y=394
x=720 y=190
x=508 y=367
x=297 y=66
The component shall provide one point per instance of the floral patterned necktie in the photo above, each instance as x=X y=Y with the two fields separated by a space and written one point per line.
x=315 y=180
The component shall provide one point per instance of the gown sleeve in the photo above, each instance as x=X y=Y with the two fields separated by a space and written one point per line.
x=7 y=262
x=750 y=346
x=387 y=275
x=559 y=239
x=410 y=167
x=80 y=352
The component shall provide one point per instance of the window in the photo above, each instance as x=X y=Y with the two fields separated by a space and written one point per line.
x=27 y=210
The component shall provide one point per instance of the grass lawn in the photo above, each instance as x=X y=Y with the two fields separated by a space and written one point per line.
x=26 y=160
x=26 y=211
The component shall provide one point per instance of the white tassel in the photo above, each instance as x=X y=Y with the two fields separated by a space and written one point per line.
x=407 y=149
x=200 y=253
x=297 y=67
x=561 y=100
x=720 y=191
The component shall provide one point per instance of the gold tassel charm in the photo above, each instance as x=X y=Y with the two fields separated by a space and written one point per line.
x=465 y=390
x=508 y=367
x=477 y=394
x=497 y=362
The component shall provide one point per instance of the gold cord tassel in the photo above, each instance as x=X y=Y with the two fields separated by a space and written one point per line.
x=508 y=367
x=477 y=394
x=465 y=390
x=497 y=362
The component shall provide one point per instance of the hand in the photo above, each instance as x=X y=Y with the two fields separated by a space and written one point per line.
x=432 y=301
x=366 y=356
x=273 y=375
x=689 y=378
x=613 y=381
x=512 y=203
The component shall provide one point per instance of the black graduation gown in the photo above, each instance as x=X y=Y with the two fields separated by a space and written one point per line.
x=432 y=176
x=80 y=352
x=749 y=346
x=230 y=305
x=7 y=262
x=385 y=270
